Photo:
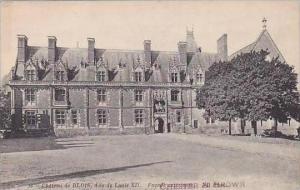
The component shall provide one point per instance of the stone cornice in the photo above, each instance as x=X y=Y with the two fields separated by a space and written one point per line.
x=82 y=84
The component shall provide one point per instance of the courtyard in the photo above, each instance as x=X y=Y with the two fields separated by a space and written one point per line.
x=149 y=162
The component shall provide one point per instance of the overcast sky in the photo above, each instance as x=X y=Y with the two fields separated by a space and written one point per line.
x=124 y=25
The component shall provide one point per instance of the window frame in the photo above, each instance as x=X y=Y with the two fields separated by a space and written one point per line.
x=174 y=77
x=101 y=95
x=139 y=95
x=173 y=99
x=60 y=117
x=199 y=77
x=102 y=116
x=60 y=75
x=178 y=116
x=138 y=76
x=74 y=113
x=63 y=94
x=100 y=76
x=30 y=74
x=139 y=116
x=30 y=115
x=30 y=95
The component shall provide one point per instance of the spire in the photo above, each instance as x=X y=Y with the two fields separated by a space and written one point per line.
x=264 y=21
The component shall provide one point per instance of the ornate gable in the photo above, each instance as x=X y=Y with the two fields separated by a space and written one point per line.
x=101 y=65
x=31 y=65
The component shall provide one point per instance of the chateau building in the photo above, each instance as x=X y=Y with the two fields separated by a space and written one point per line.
x=107 y=91
x=91 y=90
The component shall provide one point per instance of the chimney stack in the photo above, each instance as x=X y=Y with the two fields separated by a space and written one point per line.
x=22 y=48
x=91 y=50
x=222 y=47
x=147 y=51
x=52 y=49
x=182 y=49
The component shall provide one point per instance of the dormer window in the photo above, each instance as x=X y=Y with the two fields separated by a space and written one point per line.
x=100 y=76
x=138 y=76
x=174 y=77
x=60 y=75
x=30 y=75
x=199 y=77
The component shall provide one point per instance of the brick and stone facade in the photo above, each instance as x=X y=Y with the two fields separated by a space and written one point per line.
x=104 y=91
x=80 y=91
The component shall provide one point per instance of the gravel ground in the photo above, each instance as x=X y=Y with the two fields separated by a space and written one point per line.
x=96 y=162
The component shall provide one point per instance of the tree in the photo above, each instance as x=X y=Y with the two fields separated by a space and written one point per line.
x=251 y=88
x=5 y=118
x=215 y=95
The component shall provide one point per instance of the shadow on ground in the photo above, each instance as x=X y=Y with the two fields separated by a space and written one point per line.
x=80 y=174
x=38 y=144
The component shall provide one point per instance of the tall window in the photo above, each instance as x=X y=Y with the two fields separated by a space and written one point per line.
x=178 y=116
x=60 y=75
x=101 y=95
x=30 y=95
x=139 y=116
x=30 y=118
x=30 y=75
x=100 y=76
x=102 y=117
x=139 y=95
x=60 y=94
x=138 y=76
x=174 y=77
x=174 y=95
x=60 y=117
x=199 y=77
x=74 y=117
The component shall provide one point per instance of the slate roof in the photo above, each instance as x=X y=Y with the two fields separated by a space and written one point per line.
x=75 y=57
x=265 y=42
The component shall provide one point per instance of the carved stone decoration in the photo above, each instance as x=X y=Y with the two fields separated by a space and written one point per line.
x=159 y=98
x=101 y=63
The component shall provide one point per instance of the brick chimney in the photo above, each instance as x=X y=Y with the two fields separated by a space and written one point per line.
x=147 y=51
x=182 y=49
x=51 y=49
x=91 y=50
x=22 y=48
x=222 y=47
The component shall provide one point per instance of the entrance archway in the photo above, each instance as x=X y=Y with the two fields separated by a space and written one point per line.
x=159 y=125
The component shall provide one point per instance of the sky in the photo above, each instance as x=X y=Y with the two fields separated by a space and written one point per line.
x=125 y=25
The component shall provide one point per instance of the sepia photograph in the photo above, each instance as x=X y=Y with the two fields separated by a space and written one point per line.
x=150 y=95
